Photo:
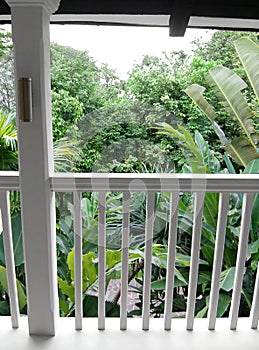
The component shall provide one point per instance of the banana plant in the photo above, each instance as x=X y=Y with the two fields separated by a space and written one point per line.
x=90 y=276
x=19 y=265
x=200 y=158
x=4 y=286
x=113 y=271
x=229 y=88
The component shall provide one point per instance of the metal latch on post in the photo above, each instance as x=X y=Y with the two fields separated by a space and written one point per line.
x=25 y=99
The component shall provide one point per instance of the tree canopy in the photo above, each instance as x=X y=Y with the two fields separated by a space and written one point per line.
x=146 y=123
x=103 y=114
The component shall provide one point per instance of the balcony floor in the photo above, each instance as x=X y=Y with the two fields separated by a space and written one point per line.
x=132 y=339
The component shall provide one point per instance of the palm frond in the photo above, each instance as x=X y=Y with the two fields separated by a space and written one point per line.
x=8 y=131
x=65 y=154
x=185 y=140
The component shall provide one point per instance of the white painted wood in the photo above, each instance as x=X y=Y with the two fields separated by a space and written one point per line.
x=101 y=259
x=9 y=257
x=65 y=182
x=125 y=259
x=218 y=258
x=30 y=28
x=172 y=238
x=195 y=254
x=77 y=197
x=150 y=20
x=1 y=223
x=247 y=207
x=112 y=338
x=9 y=180
x=13 y=182
x=150 y=205
x=50 y=6
x=236 y=183
x=255 y=305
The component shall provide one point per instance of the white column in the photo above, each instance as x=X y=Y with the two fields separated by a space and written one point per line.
x=30 y=27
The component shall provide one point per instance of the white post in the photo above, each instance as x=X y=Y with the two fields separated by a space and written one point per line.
x=30 y=27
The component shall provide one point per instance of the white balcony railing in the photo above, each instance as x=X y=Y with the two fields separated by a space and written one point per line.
x=150 y=184
x=9 y=181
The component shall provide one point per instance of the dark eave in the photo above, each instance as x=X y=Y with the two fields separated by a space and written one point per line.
x=179 y=12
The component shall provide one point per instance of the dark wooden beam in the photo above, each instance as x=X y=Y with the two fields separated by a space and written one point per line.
x=133 y=7
x=179 y=18
x=208 y=8
x=179 y=10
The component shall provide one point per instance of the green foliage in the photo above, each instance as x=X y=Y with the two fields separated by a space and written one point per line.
x=161 y=81
x=8 y=142
x=248 y=53
x=120 y=138
x=65 y=154
x=20 y=287
x=66 y=111
x=17 y=242
x=253 y=168
x=220 y=48
x=81 y=71
x=90 y=307
x=7 y=95
x=228 y=86
x=19 y=265
x=227 y=279
x=156 y=81
x=199 y=157
x=113 y=123
x=90 y=268
x=5 y=42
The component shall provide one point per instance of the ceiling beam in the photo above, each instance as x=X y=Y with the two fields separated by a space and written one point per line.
x=179 y=10
x=179 y=18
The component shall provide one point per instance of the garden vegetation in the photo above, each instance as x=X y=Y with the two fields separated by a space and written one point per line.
x=174 y=113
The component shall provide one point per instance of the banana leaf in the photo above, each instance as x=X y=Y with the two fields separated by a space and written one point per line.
x=227 y=279
x=183 y=138
x=17 y=242
x=90 y=307
x=228 y=86
x=20 y=288
x=241 y=151
x=253 y=168
x=211 y=209
x=195 y=92
x=248 y=52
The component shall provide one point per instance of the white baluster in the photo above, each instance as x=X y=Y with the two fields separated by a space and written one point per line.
x=125 y=259
x=101 y=259
x=218 y=258
x=247 y=207
x=172 y=237
x=195 y=253
x=77 y=196
x=9 y=257
x=150 y=203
